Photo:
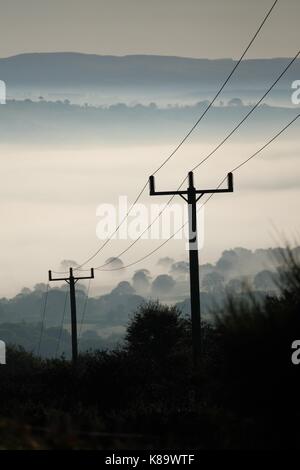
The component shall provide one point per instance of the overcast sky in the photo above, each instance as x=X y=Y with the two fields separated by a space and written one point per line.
x=194 y=28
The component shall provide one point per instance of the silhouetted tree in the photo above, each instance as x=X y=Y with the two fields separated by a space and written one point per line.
x=163 y=285
x=141 y=281
x=257 y=375
x=157 y=336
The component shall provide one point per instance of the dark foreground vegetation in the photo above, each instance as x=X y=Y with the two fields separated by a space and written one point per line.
x=146 y=394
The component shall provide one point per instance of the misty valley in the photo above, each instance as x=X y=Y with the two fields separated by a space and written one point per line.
x=103 y=319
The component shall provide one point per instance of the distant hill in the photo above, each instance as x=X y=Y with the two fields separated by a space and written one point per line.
x=78 y=72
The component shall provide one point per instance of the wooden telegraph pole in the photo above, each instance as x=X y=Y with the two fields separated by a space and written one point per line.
x=192 y=195
x=72 y=280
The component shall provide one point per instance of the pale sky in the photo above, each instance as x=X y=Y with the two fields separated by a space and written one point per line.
x=193 y=28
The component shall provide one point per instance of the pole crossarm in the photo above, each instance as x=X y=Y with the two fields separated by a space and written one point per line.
x=229 y=188
x=76 y=278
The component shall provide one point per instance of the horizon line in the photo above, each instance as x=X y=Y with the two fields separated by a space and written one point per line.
x=123 y=56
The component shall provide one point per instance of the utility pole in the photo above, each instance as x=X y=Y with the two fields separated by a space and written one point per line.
x=72 y=280
x=192 y=195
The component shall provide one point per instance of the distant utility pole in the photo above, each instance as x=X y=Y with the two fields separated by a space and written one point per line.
x=72 y=280
x=193 y=195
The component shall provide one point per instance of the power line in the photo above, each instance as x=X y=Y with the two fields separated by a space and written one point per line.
x=268 y=143
x=220 y=90
x=206 y=201
x=115 y=231
x=185 y=138
x=249 y=113
x=144 y=231
x=210 y=155
x=78 y=268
